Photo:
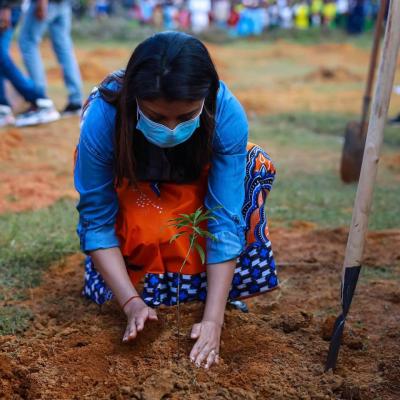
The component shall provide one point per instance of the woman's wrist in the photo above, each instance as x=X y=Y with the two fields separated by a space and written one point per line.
x=214 y=321
x=135 y=296
x=132 y=305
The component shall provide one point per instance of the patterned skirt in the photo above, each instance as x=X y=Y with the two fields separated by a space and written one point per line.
x=144 y=232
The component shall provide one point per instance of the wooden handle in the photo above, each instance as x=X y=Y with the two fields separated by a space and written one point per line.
x=369 y=168
x=372 y=64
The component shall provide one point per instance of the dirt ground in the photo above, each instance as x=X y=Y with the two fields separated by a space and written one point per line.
x=73 y=349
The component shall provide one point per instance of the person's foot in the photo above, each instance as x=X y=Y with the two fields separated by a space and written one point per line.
x=395 y=120
x=6 y=116
x=71 y=109
x=42 y=112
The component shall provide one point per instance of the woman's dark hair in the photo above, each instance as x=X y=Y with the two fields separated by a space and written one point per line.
x=173 y=66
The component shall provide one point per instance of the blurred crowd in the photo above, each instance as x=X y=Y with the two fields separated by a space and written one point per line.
x=36 y=18
x=240 y=17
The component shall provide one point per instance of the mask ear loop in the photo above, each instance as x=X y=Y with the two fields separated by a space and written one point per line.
x=137 y=111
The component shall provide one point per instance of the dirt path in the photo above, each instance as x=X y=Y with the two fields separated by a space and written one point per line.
x=73 y=349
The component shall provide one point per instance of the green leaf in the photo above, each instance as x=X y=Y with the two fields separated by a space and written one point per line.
x=187 y=217
x=176 y=236
x=197 y=214
x=201 y=252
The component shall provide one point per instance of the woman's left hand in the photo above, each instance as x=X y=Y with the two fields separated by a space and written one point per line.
x=206 y=348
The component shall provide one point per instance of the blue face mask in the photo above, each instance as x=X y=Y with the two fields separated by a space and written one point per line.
x=162 y=136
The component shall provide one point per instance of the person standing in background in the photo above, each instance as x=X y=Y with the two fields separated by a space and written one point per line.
x=54 y=16
x=42 y=109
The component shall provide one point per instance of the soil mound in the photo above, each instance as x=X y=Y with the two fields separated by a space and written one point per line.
x=339 y=74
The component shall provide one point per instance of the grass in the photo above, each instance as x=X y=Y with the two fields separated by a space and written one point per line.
x=379 y=273
x=14 y=320
x=306 y=149
x=122 y=30
x=29 y=243
x=323 y=123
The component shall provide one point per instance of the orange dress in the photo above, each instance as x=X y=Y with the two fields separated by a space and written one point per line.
x=144 y=233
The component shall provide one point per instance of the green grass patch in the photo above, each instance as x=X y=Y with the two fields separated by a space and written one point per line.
x=306 y=150
x=322 y=123
x=14 y=320
x=379 y=273
x=31 y=241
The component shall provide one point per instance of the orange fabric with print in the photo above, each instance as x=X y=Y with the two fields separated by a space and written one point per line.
x=261 y=161
x=144 y=232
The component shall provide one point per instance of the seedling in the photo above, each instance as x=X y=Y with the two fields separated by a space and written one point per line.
x=189 y=225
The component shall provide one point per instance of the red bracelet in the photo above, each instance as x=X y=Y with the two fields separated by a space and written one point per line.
x=130 y=298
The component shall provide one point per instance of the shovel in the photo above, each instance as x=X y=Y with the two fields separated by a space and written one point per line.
x=369 y=169
x=354 y=139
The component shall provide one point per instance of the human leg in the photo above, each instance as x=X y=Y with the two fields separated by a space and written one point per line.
x=32 y=31
x=60 y=35
x=11 y=72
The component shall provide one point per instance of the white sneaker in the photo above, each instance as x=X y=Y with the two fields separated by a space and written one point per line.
x=42 y=112
x=6 y=116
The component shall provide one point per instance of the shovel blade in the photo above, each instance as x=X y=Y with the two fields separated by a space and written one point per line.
x=352 y=154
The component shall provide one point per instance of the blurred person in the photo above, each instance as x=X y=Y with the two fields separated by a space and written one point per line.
x=273 y=14
x=329 y=13
x=199 y=11
x=233 y=18
x=55 y=17
x=356 y=18
x=102 y=8
x=221 y=11
x=342 y=11
x=316 y=12
x=184 y=18
x=170 y=12
x=158 y=20
x=146 y=11
x=42 y=109
x=286 y=14
x=302 y=15
x=163 y=137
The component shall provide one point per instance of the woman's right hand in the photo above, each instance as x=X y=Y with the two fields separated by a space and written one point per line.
x=137 y=313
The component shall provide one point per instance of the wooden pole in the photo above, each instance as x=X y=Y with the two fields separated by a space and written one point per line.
x=369 y=169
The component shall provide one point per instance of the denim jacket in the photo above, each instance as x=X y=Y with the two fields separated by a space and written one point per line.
x=94 y=178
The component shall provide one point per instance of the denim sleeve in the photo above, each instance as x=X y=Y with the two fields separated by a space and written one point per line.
x=225 y=194
x=94 y=179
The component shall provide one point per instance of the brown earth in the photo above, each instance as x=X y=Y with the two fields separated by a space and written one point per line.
x=73 y=349
x=339 y=74
x=36 y=165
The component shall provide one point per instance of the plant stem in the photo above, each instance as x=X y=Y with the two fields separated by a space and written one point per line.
x=192 y=241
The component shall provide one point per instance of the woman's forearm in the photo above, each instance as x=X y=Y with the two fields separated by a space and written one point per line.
x=111 y=265
x=219 y=281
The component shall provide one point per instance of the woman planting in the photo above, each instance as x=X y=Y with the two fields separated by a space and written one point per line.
x=159 y=139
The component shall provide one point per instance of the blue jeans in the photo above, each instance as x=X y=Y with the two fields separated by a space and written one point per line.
x=58 y=23
x=9 y=71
